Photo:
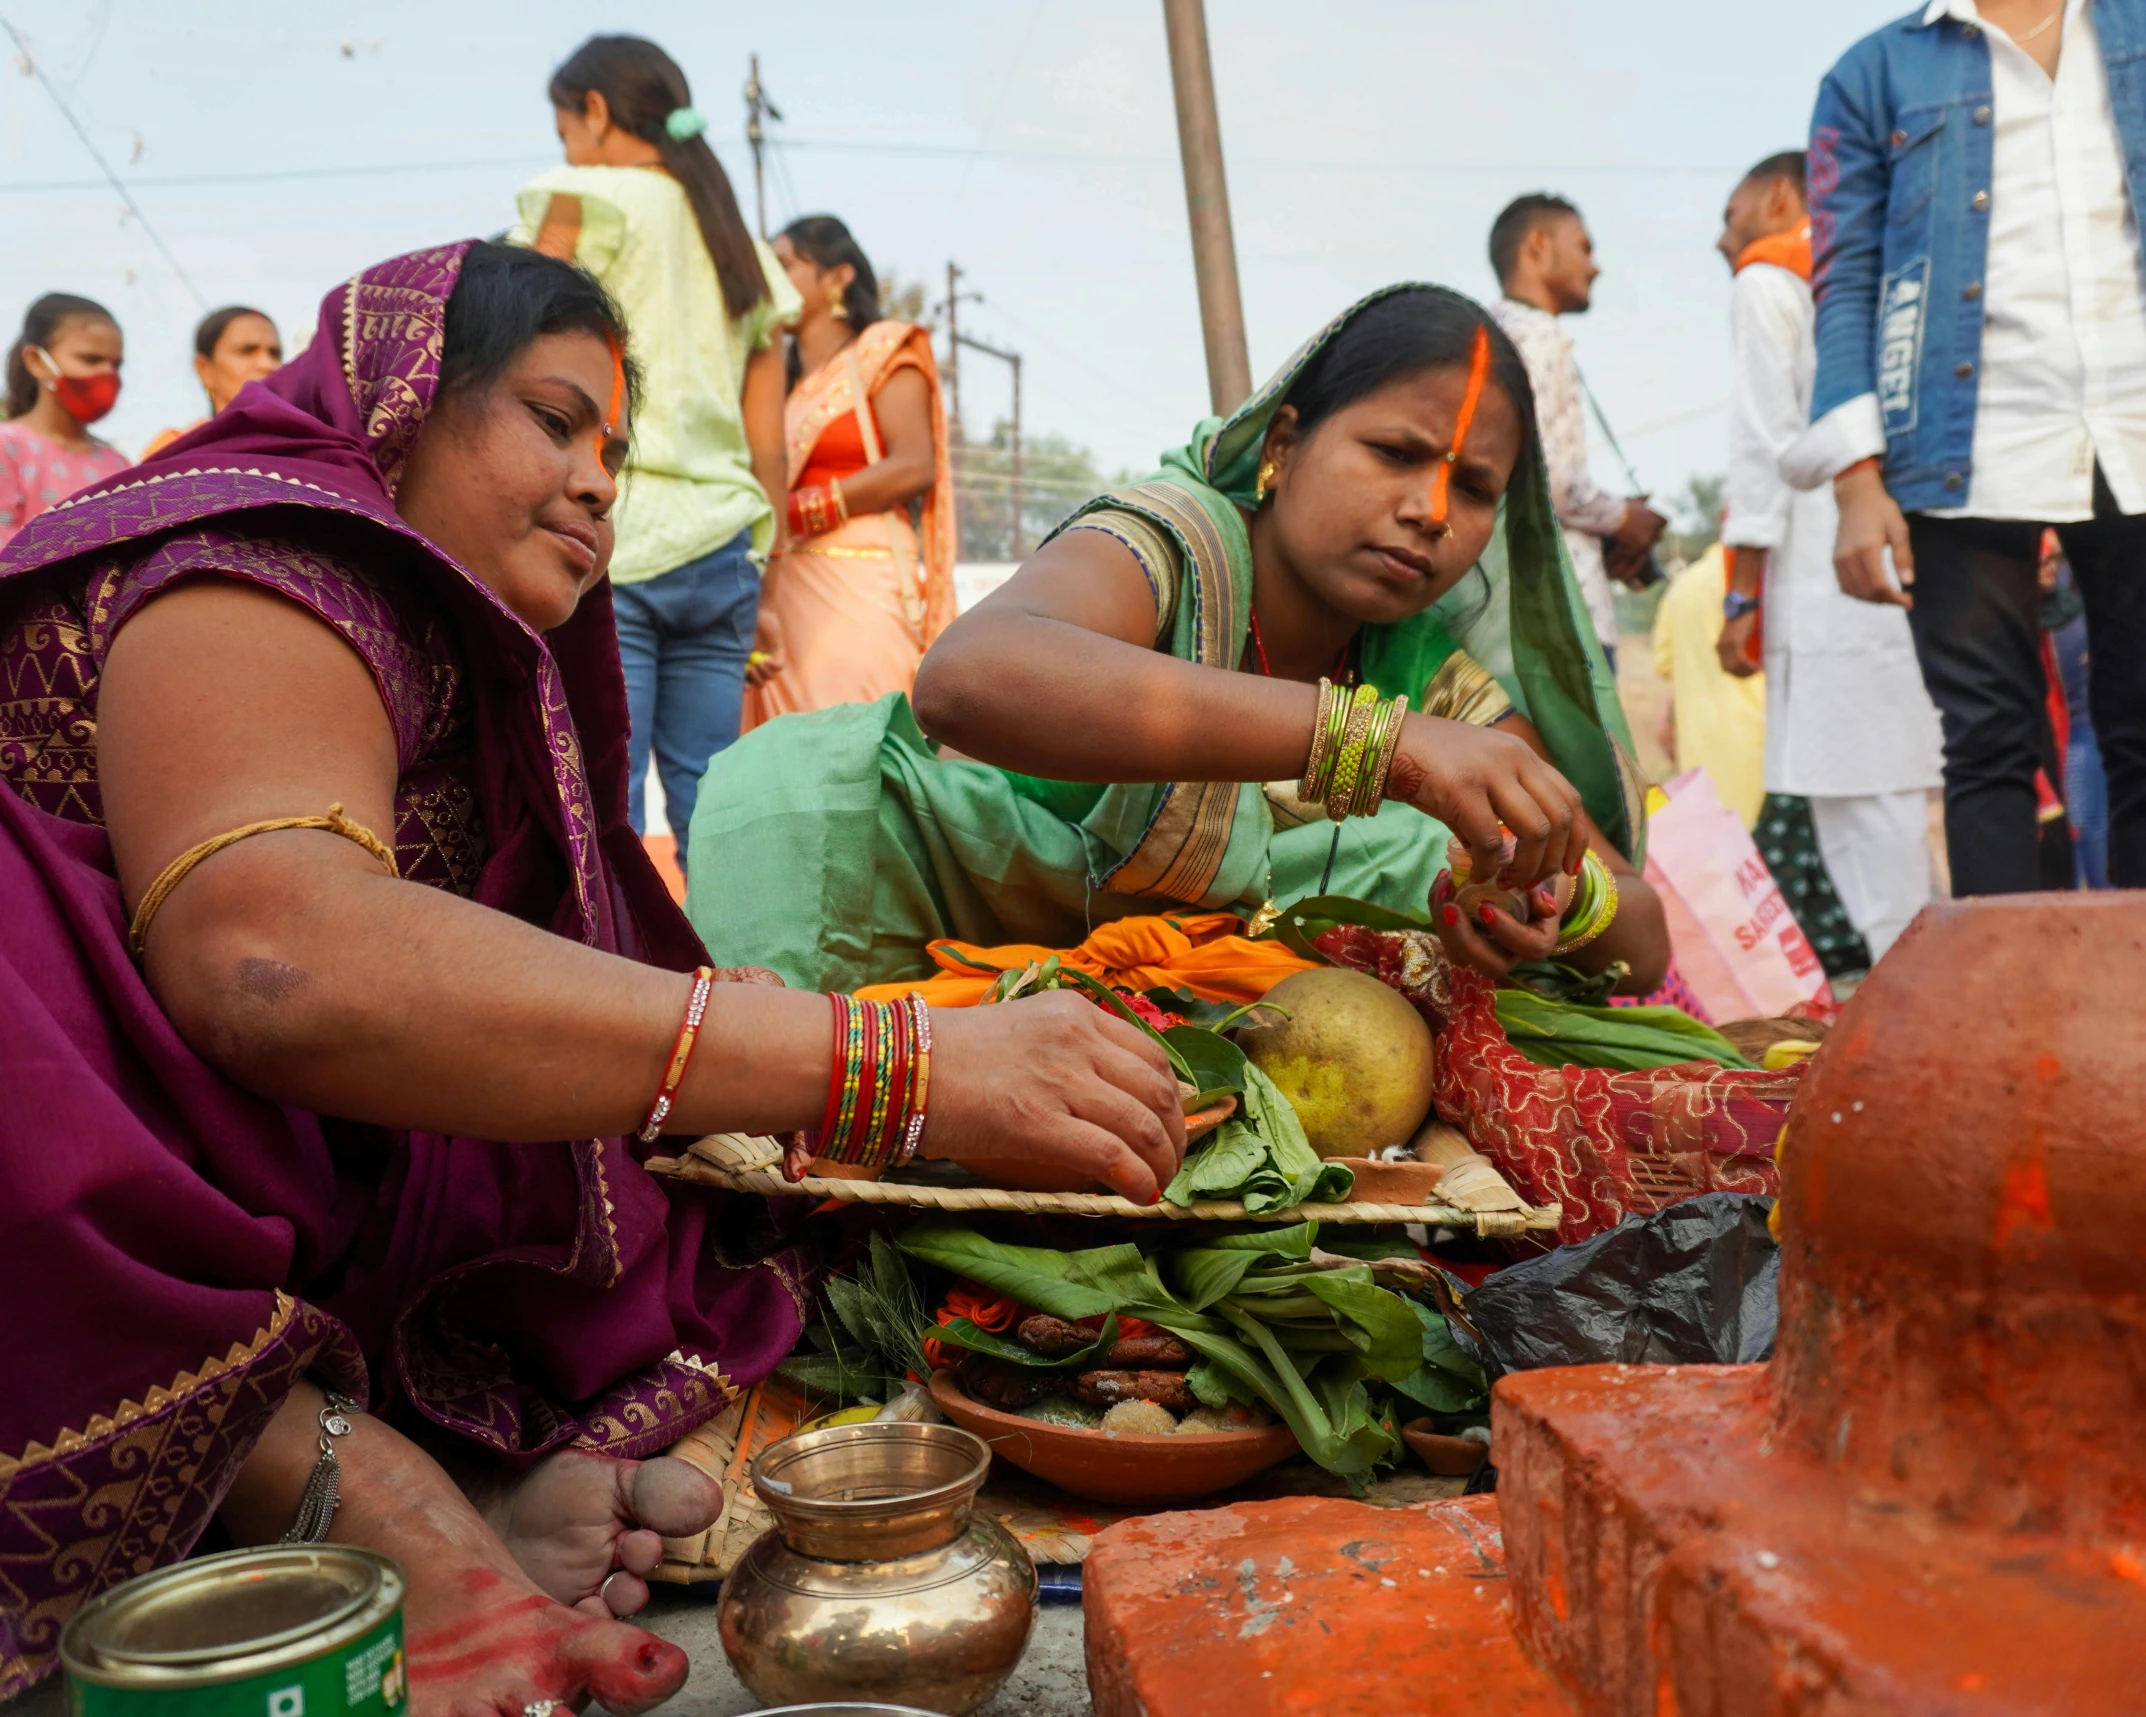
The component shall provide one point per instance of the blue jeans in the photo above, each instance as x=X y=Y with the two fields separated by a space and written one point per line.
x=683 y=637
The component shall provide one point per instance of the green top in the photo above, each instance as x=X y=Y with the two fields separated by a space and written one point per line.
x=689 y=484
x=834 y=846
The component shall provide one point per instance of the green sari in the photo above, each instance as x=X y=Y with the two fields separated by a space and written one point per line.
x=833 y=846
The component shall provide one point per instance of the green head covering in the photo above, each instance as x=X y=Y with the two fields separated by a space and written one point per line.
x=1518 y=613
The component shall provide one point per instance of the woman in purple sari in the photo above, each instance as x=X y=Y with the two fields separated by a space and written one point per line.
x=293 y=1152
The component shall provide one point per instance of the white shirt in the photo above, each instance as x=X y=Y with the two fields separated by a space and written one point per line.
x=2063 y=371
x=1587 y=512
x=1846 y=712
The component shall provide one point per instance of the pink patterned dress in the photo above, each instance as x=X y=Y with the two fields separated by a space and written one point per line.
x=36 y=474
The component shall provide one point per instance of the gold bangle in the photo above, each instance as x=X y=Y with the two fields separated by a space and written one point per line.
x=1389 y=747
x=1312 y=787
x=834 y=494
x=1374 y=735
x=1348 y=767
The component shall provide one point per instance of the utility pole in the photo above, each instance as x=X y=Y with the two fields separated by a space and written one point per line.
x=1214 y=249
x=1013 y=358
x=955 y=340
x=756 y=104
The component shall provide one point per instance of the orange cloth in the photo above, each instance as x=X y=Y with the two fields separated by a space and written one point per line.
x=1204 y=953
x=1790 y=250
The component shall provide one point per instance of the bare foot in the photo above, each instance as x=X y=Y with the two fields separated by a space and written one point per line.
x=483 y=1639
x=589 y=1530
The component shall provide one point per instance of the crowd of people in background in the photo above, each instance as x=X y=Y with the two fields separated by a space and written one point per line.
x=1936 y=444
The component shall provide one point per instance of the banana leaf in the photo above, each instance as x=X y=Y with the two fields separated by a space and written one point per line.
x=1565 y=1034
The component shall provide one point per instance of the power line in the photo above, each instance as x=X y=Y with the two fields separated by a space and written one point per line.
x=97 y=155
x=864 y=146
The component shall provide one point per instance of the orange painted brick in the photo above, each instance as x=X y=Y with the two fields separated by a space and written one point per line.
x=1308 y=1605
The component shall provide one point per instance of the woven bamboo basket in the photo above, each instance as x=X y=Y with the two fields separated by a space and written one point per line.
x=741 y=1163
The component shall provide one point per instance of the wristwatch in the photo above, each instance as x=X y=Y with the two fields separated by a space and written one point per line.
x=1736 y=605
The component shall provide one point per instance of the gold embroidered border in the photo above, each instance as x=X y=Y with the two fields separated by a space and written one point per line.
x=102 y=1429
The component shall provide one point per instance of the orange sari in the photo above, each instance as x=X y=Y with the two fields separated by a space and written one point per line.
x=858 y=605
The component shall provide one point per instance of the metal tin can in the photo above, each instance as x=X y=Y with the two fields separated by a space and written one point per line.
x=311 y=1630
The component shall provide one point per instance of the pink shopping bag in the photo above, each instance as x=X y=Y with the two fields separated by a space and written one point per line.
x=1736 y=942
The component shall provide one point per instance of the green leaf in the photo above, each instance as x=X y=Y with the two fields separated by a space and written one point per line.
x=1214 y=1065
x=1562 y=1034
x=964 y=1334
x=1211 y=1386
x=1298 y=924
x=1033 y=1275
x=1385 y=1331
x=1104 y=996
x=1447 y=1381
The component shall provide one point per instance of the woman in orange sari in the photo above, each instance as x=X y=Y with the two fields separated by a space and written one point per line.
x=866 y=581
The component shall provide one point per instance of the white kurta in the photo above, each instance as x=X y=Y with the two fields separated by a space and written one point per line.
x=1846 y=712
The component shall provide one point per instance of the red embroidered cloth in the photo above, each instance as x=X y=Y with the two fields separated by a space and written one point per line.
x=1599 y=1143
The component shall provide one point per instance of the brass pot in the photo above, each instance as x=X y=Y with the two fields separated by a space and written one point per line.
x=877 y=1583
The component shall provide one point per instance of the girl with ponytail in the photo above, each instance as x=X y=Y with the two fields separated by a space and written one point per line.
x=643 y=204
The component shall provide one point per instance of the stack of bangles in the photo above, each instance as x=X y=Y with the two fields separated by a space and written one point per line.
x=879 y=1084
x=816 y=509
x=1593 y=906
x=1353 y=741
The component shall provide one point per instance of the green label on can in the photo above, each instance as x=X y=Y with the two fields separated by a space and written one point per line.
x=365 y=1678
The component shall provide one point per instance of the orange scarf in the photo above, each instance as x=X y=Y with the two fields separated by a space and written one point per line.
x=1790 y=250
x=1206 y=953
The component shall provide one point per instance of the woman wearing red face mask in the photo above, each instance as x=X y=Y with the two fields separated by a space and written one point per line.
x=62 y=376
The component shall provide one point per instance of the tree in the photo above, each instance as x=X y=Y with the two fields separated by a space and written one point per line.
x=900 y=300
x=1694 y=517
x=1056 y=477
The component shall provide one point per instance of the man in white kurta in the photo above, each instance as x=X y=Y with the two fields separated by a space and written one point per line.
x=1848 y=724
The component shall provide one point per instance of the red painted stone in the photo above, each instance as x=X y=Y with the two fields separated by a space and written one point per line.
x=1307 y=1605
x=1932 y=1500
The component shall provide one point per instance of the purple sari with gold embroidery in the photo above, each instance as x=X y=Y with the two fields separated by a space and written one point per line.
x=174 y=1251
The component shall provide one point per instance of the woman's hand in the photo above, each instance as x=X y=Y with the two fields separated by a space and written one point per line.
x=1475 y=779
x=1493 y=940
x=766 y=660
x=1055 y=1082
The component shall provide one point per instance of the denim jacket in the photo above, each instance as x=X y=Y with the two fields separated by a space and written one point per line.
x=1899 y=168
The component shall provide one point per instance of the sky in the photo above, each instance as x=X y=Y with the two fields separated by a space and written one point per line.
x=276 y=146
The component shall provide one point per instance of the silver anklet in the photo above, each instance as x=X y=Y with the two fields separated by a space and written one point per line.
x=316 y=1509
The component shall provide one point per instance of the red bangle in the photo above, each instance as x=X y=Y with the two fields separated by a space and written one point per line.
x=878 y=1081
x=681 y=1053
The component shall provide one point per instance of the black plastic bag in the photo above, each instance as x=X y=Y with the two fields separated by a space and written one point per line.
x=1694 y=1284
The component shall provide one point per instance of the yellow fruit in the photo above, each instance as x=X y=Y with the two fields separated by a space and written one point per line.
x=1353 y=1058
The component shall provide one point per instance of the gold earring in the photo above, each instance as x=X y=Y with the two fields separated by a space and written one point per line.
x=1264 y=482
x=835 y=306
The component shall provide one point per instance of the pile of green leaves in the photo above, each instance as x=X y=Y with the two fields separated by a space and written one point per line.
x=1318 y=1342
x=1260 y=1155
x=870 y=1333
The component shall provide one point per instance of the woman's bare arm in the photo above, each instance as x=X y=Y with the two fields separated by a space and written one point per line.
x=760 y=405
x=1055 y=674
x=294 y=963
x=902 y=408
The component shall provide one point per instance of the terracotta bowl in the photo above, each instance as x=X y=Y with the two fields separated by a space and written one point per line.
x=1393 y=1183
x=1447 y=1457
x=1130 y=1471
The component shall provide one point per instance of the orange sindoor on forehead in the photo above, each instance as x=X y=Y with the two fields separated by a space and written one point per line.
x=609 y=426
x=1478 y=368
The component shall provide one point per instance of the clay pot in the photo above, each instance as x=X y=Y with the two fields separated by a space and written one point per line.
x=1134 y=1471
x=1392 y=1183
x=1443 y=1456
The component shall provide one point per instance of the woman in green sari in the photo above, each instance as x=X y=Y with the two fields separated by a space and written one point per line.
x=1126 y=719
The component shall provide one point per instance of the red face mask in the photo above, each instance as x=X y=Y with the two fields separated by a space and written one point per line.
x=86 y=398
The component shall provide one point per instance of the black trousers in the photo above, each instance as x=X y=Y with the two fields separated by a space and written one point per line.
x=1977 y=626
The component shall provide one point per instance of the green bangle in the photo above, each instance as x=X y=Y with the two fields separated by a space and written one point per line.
x=1593 y=908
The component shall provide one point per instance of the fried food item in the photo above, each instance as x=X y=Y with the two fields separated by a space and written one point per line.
x=996 y=1383
x=1054 y=1338
x=1107 y=1388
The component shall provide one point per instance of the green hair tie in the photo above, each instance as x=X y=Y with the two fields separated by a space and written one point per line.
x=685 y=123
